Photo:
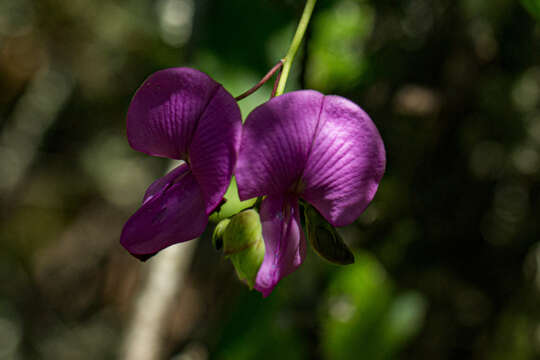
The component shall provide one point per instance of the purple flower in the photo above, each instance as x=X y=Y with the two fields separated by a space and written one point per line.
x=323 y=149
x=181 y=113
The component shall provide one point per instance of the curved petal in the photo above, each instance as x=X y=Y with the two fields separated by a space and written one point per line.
x=165 y=110
x=163 y=183
x=214 y=149
x=174 y=214
x=346 y=162
x=276 y=140
x=283 y=239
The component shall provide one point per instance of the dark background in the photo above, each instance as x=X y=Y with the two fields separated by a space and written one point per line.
x=448 y=253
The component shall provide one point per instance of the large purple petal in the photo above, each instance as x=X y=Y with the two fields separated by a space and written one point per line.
x=165 y=111
x=346 y=162
x=174 y=214
x=283 y=239
x=276 y=140
x=214 y=149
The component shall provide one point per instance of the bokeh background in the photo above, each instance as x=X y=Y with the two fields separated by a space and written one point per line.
x=448 y=254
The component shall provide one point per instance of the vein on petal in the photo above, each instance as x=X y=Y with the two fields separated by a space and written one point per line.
x=315 y=134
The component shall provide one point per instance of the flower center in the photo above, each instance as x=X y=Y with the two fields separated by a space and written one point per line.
x=298 y=187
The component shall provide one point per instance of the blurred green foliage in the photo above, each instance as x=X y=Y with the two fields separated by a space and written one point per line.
x=533 y=6
x=365 y=318
x=339 y=35
x=449 y=249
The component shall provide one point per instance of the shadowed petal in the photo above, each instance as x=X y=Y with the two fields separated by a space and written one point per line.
x=346 y=162
x=163 y=183
x=174 y=214
x=164 y=113
x=276 y=140
x=283 y=239
x=215 y=146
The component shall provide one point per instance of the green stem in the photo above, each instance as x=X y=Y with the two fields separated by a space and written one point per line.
x=295 y=44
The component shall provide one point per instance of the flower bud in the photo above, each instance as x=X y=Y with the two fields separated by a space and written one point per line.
x=243 y=244
x=217 y=235
x=325 y=240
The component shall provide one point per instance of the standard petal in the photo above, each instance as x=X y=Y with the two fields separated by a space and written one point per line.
x=174 y=215
x=165 y=110
x=276 y=140
x=214 y=148
x=346 y=162
x=283 y=239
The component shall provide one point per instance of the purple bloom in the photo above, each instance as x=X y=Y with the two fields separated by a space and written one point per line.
x=181 y=113
x=323 y=149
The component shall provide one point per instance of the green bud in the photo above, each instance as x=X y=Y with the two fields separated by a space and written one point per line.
x=243 y=244
x=217 y=235
x=325 y=240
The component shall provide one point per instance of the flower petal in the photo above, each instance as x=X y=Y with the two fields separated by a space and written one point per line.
x=346 y=162
x=172 y=215
x=276 y=140
x=214 y=149
x=283 y=239
x=164 y=113
x=163 y=183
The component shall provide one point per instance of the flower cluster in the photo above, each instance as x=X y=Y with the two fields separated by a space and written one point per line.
x=301 y=151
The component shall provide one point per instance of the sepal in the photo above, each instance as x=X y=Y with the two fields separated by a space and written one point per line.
x=325 y=239
x=219 y=231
